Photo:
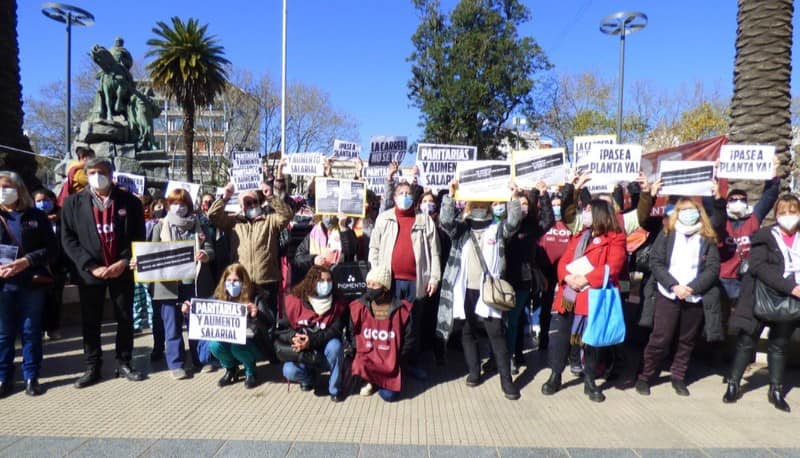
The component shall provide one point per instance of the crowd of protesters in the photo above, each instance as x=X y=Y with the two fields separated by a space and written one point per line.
x=425 y=258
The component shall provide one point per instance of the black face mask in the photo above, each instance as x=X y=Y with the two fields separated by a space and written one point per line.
x=159 y=213
x=373 y=294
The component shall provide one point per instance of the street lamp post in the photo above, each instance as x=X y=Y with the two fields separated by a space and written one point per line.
x=622 y=24
x=69 y=15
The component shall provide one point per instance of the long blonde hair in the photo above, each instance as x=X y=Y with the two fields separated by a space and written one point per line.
x=706 y=230
x=248 y=288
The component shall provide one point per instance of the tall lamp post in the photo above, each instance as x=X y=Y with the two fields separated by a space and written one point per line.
x=622 y=24
x=69 y=15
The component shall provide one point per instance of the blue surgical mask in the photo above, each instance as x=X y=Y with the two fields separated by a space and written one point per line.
x=44 y=205
x=405 y=201
x=557 y=213
x=327 y=220
x=324 y=288
x=668 y=209
x=234 y=288
x=689 y=216
x=499 y=211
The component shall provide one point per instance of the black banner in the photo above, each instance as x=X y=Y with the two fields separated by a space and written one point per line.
x=153 y=261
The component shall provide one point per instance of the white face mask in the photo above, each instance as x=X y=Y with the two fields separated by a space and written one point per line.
x=99 y=182
x=586 y=218
x=737 y=207
x=8 y=196
x=179 y=210
x=788 y=222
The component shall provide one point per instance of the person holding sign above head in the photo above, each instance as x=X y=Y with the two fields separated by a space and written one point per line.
x=773 y=278
x=309 y=339
x=382 y=327
x=685 y=264
x=97 y=229
x=28 y=244
x=254 y=235
x=594 y=255
x=478 y=252
x=181 y=223
x=236 y=286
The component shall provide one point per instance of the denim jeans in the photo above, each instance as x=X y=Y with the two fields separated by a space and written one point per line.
x=21 y=313
x=302 y=373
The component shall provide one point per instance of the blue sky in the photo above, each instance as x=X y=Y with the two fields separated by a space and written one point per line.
x=356 y=50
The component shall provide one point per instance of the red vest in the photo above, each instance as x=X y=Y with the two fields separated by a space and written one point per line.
x=555 y=241
x=733 y=240
x=378 y=344
x=298 y=315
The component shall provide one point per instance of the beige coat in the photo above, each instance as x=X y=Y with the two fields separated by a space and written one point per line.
x=424 y=240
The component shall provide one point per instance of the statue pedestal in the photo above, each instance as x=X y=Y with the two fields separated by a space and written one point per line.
x=101 y=130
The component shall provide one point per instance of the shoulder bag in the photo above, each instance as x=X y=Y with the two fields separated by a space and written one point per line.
x=495 y=292
x=772 y=306
x=605 y=322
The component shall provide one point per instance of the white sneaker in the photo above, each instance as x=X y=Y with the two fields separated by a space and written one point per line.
x=367 y=390
x=180 y=374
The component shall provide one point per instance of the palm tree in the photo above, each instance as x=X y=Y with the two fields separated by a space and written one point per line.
x=189 y=66
x=11 y=101
x=760 y=109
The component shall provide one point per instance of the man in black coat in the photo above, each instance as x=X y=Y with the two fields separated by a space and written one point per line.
x=98 y=226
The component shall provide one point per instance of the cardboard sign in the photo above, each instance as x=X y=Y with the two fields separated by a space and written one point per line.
x=192 y=188
x=305 y=164
x=385 y=150
x=164 y=261
x=346 y=150
x=532 y=166
x=437 y=163
x=746 y=162
x=581 y=145
x=222 y=321
x=483 y=181
x=334 y=196
x=686 y=178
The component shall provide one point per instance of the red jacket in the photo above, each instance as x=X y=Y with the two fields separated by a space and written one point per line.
x=605 y=249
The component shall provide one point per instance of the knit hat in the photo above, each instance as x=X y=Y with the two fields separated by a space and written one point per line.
x=380 y=274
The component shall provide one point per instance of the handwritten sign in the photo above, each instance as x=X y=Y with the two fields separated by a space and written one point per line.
x=218 y=320
x=385 y=150
x=437 y=163
x=305 y=164
x=746 y=162
x=346 y=150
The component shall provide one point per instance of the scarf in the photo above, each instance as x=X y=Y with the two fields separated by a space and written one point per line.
x=686 y=229
x=180 y=226
x=791 y=255
x=100 y=203
x=326 y=243
x=321 y=305
x=570 y=295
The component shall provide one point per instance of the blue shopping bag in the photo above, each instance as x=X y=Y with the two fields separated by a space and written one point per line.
x=605 y=324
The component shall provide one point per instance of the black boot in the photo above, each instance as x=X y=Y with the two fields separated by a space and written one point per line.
x=250 y=382
x=552 y=385
x=775 y=397
x=231 y=374
x=32 y=387
x=510 y=391
x=125 y=370
x=731 y=393
x=90 y=377
x=590 y=388
x=6 y=387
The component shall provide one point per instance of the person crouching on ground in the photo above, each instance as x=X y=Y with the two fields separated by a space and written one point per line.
x=313 y=324
x=383 y=334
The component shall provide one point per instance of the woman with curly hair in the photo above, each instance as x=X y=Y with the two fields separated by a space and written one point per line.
x=313 y=324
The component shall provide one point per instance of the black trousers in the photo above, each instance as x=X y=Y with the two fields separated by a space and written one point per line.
x=92 y=299
x=53 y=303
x=495 y=331
x=780 y=335
x=559 y=350
x=673 y=320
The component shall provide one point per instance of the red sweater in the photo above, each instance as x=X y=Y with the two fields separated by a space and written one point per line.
x=404 y=264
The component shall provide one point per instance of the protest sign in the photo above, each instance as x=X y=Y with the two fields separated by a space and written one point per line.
x=483 y=181
x=346 y=150
x=612 y=164
x=375 y=176
x=385 y=150
x=245 y=159
x=191 y=188
x=233 y=203
x=222 y=321
x=164 y=261
x=686 y=178
x=437 y=163
x=532 y=166
x=246 y=179
x=305 y=164
x=334 y=196
x=746 y=162
x=133 y=183
x=581 y=145
x=343 y=169
x=8 y=253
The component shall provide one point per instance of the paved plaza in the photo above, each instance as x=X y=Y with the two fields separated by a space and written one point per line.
x=439 y=417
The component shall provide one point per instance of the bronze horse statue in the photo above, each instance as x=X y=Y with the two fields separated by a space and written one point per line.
x=114 y=88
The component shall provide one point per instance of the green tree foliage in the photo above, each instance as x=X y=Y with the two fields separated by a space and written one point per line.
x=189 y=65
x=471 y=71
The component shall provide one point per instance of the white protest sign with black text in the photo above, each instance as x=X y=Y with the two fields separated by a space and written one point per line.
x=533 y=166
x=346 y=150
x=221 y=321
x=245 y=159
x=686 y=178
x=437 y=163
x=246 y=178
x=133 y=183
x=192 y=188
x=746 y=162
x=375 y=175
x=612 y=164
x=385 y=150
x=334 y=196
x=305 y=164
x=164 y=261
x=581 y=145
x=483 y=181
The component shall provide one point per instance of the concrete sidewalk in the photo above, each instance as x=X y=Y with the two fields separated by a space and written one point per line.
x=195 y=417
